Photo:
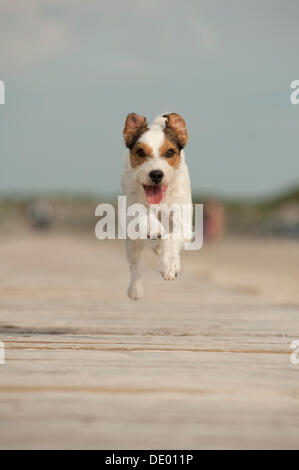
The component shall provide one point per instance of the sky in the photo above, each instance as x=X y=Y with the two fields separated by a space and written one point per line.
x=73 y=70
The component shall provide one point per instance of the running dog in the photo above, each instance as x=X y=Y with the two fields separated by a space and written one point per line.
x=155 y=173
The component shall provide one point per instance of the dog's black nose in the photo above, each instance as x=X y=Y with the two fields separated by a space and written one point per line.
x=156 y=176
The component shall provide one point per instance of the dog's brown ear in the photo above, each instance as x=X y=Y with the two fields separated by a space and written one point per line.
x=135 y=125
x=176 y=123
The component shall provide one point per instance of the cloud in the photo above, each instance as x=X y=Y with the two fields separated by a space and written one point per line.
x=121 y=33
x=30 y=33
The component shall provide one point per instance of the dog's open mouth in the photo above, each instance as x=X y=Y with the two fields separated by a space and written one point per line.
x=154 y=194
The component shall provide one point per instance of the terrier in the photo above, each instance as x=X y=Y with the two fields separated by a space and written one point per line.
x=155 y=172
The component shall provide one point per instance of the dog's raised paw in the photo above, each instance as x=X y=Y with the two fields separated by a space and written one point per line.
x=135 y=290
x=170 y=273
x=156 y=232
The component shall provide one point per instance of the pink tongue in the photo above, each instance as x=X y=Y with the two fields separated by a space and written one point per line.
x=153 y=194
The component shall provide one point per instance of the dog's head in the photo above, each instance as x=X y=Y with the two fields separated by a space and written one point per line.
x=155 y=151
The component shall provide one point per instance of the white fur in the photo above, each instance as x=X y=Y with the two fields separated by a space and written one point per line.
x=178 y=191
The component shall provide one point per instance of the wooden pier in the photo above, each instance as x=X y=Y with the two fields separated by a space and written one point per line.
x=192 y=365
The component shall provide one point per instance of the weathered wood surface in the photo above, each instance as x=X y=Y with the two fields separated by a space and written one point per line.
x=191 y=365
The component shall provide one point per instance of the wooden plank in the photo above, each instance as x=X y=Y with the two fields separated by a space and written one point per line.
x=192 y=365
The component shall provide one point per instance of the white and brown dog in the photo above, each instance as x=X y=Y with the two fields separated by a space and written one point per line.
x=155 y=172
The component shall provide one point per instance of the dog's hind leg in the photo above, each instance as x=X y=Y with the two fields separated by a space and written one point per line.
x=134 y=251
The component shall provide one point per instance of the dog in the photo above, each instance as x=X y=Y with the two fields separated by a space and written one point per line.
x=155 y=172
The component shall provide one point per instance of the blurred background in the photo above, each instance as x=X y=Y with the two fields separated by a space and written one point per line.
x=73 y=70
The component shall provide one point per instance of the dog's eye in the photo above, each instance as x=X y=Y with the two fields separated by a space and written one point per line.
x=141 y=153
x=170 y=153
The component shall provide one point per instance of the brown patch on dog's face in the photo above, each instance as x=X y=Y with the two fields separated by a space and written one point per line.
x=175 y=129
x=135 y=126
x=139 y=153
x=171 y=153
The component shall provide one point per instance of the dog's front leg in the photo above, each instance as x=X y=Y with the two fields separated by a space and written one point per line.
x=134 y=251
x=170 y=263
